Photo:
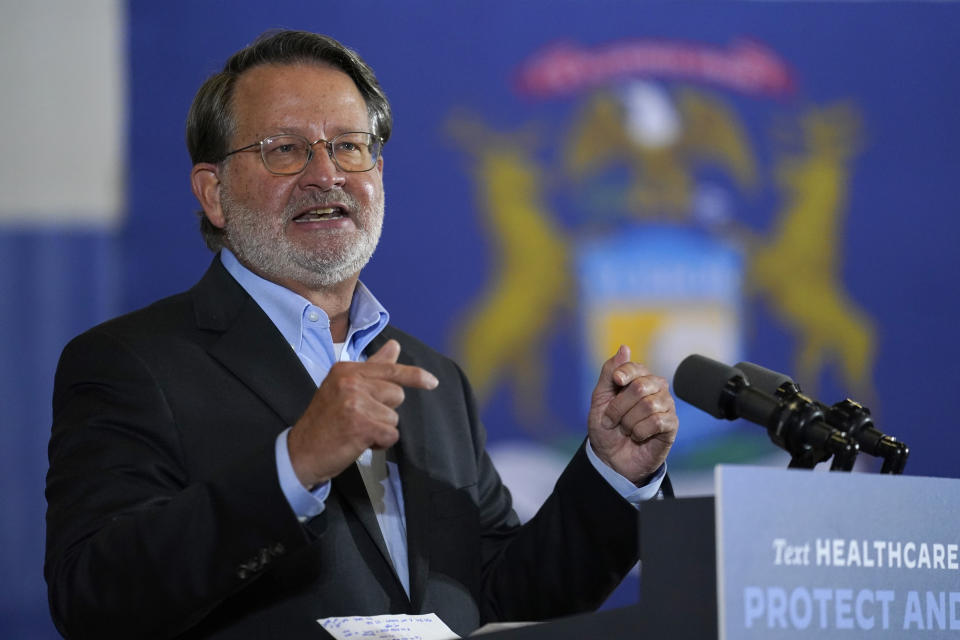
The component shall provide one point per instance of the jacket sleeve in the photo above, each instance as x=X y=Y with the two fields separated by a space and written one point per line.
x=135 y=546
x=568 y=558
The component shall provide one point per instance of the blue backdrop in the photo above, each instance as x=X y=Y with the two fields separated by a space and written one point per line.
x=764 y=181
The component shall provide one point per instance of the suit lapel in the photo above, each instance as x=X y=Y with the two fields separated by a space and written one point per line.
x=416 y=497
x=252 y=348
x=349 y=487
x=411 y=453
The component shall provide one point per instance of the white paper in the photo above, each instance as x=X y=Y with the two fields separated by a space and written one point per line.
x=390 y=627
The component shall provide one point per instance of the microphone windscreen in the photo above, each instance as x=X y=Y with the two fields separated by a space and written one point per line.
x=762 y=378
x=700 y=381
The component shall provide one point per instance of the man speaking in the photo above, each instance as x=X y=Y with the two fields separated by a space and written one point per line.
x=265 y=449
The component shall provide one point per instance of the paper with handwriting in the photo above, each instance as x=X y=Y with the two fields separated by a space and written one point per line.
x=389 y=627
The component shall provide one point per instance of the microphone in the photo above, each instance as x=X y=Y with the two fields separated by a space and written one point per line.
x=847 y=415
x=794 y=423
x=721 y=390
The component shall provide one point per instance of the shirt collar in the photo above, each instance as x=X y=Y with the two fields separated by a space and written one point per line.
x=287 y=309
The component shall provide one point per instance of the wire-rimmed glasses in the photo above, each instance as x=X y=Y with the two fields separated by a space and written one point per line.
x=288 y=154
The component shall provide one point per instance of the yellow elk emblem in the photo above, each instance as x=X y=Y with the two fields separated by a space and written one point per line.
x=797 y=269
x=506 y=330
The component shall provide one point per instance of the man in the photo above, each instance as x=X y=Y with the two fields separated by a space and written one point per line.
x=265 y=450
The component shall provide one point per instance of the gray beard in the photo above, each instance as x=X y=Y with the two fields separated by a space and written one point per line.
x=266 y=250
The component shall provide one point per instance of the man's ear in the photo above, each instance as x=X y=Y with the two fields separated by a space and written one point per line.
x=205 y=181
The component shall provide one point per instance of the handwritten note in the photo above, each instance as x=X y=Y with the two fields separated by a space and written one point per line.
x=390 y=627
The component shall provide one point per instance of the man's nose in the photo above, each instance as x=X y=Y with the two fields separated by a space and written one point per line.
x=321 y=172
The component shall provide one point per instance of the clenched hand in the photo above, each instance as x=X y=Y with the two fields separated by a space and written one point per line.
x=632 y=421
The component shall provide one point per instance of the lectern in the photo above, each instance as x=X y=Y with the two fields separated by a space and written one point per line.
x=791 y=554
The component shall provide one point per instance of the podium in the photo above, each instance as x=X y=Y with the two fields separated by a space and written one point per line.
x=791 y=554
x=678 y=580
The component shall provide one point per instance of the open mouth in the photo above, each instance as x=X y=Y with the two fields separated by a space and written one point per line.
x=324 y=213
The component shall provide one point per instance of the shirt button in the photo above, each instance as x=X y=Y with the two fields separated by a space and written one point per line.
x=313 y=316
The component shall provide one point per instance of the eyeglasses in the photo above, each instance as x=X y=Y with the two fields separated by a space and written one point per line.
x=289 y=154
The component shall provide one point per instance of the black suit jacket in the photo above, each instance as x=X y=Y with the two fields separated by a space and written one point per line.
x=165 y=516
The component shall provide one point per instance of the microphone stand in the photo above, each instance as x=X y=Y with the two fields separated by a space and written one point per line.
x=819 y=441
x=853 y=418
x=847 y=416
x=794 y=423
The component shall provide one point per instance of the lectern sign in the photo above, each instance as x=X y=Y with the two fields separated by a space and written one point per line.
x=836 y=555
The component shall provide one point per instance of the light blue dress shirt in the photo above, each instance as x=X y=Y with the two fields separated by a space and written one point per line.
x=306 y=328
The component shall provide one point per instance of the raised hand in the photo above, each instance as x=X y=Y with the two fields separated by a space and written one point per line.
x=354 y=409
x=632 y=421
